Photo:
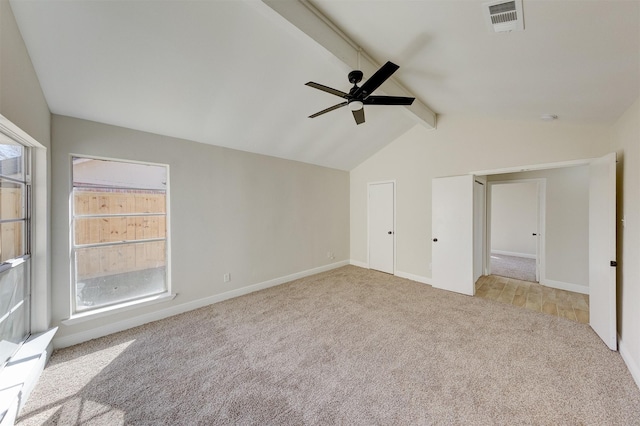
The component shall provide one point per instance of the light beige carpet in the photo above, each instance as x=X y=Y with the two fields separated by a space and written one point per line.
x=350 y=346
x=519 y=268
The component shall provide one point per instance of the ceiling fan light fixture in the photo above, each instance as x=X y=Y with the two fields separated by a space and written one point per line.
x=355 y=105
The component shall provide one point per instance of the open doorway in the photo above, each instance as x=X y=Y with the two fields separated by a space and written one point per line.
x=579 y=233
x=537 y=241
x=515 y=218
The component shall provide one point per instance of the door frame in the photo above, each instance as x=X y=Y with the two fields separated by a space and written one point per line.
x=395 y=251
x=542 y=209
x=612 y=344
x=481 y=230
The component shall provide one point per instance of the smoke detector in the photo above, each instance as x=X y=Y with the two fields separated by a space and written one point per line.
x=504 y=16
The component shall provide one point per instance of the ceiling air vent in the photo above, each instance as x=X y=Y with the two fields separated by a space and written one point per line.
x=504 y=16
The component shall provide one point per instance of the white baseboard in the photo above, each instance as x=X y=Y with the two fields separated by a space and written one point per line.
x=359 y=264
x=83 y=336
x=407 y=275
x=413 y=277
x=513 y=253
x=576 y=288
x=632 y=365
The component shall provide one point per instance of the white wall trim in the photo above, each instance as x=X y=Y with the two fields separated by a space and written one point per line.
x=111 y=310
x=413 y=277
x=83 y=336
x=633 y=367
x=14 y=132
x=359 y=263
x=533 y=167
x=513 y=253
x=576 y=288
x=40 y=249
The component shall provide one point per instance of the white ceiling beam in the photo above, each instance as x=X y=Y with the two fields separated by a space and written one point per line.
x=312 y=22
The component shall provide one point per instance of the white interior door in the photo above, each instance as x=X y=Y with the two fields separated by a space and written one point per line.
x=602 y=248
x=452 y=234
x=381 y=209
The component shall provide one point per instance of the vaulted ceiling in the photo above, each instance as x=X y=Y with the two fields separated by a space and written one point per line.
x=232 y=73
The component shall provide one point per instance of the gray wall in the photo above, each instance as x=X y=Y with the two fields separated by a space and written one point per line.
x=514 y=218
x=23 y=103
x=256 y=217
x=21 y=98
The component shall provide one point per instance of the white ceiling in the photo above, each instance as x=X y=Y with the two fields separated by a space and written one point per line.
x=232 y=73
x=577 y=59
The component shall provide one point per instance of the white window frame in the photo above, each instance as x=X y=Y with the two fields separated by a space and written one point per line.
x=25 y=254
x=81 y=316
x=40 y=289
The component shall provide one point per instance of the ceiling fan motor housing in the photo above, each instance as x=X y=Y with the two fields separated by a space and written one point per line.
x=355 y=76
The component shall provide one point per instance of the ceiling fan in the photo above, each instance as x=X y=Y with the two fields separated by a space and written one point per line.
x=360 y=96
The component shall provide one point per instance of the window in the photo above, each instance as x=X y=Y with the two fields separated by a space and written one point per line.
x=119 y=232
x=14 y=248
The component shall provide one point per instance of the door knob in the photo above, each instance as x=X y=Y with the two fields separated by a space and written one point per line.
x=390 y=232
x=435 y=240
x=534 y=234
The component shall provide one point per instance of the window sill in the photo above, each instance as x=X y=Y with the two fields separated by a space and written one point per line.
x=110 y=310
x=21 y=373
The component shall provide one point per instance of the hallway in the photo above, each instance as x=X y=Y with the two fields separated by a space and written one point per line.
x=535 y=297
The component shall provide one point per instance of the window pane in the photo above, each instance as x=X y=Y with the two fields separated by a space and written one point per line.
x=118 y=228
x=13 y=330
x=11 y=240
x=88 y=172
x=11 y=200
x=11 y=161
x=117 y=201
x=14 y=311
x=117 y=205
x=112 y=274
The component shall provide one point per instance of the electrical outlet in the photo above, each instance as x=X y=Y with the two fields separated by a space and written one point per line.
x=227 y=277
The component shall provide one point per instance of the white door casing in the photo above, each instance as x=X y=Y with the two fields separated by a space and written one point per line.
x=479 y=209
x=452 y=234
x=381 y=228
x=541 y=231
x=537 y=234
x=602 y=248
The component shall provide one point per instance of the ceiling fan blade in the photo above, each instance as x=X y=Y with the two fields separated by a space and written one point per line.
x=359 y=116
x=327 y=89
x=341 y=104
x=376 y=80
x=388 y=100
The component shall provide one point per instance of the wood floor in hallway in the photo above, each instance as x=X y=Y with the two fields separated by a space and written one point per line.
x=535 y=297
